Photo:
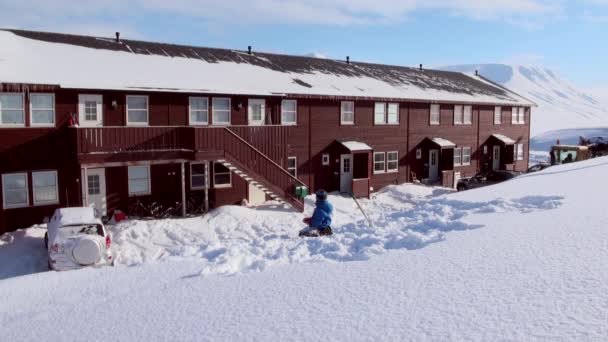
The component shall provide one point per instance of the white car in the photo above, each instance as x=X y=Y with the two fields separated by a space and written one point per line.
x=77 y=238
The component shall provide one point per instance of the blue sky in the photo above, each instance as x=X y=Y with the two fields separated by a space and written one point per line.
x=567 y=36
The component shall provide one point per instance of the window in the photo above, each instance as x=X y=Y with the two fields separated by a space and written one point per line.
x=393 y=114
x=11 y=110
x=435 y=114
x=458 y=156
x=325 y=160
x=379 y=113
x=466 y=156
x=392 y=161
x=199 y=111
x=198 y=176
x=137 y=110
x=518 y=115
x=497 y=115
x=292 y=166
x=379 y=162
x=221 y=111
x=93 y=184
x=347 y=113
x=139 y=180
x=14 y=190
x=256 y=110
x=458 y=113
x=222 y=177
x=419 y=153
x=45 y=187
x=468 y=115
x=289 y=112
x=518 y=151
x=42 y=109
x=90 y=110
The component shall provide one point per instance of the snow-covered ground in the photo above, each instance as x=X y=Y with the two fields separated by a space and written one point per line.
x=522 y=260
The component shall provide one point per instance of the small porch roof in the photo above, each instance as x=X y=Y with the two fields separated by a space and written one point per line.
x=356 y=146
x=504 y=139
x=443 y=143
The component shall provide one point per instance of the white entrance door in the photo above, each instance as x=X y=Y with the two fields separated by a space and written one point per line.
x=346 y=173
x=433 y=165
x=90 y=110
x=496 y=157
x=96 y=187
x=256 y=112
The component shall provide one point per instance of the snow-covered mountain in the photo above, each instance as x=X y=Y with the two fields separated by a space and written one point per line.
x=560 y=104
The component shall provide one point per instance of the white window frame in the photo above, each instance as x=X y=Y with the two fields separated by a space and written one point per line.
x=2 y=124
x=343 y=112
x=388 y=161
x=263 y=113
x=191 y=111
x=147 y=110
x=518 y=149
x=458 y=114
x=521 y=115
x=458 y=154
x=27 y=191
x=325 y=159
x=463 y=162
x=44 y=124
x=221 y=186
x=497 y=115
x=388 y=106
x=376 y=114
x=205 y=174
x=467 y=115
x=289 y=123
x=214 y=122
x=56 y=201
x=294 y=168
x=133 y=194
x=383 y=162
x=431 y=119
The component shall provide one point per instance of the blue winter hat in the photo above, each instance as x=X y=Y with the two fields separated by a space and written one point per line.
x=321 y=195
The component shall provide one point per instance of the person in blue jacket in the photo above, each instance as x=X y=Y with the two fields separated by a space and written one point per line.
x=320 y=222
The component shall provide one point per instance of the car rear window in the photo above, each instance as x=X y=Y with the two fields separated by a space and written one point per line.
x=89 y=229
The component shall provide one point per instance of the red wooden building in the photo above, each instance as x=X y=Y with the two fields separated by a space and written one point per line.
x=102 y=122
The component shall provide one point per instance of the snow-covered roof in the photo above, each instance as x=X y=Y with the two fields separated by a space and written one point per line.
x=443 y=143
x=505 y=139
x=356 y=146
x=76 y=215
x=84 y=62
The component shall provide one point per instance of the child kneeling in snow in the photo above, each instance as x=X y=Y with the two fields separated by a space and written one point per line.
x=320 y=222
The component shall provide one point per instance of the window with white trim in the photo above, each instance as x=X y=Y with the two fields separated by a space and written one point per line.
x=393 y=114
x=466 y=156
x=289 y=112
x=137 y=110
x=292 y=166
x=221 y=111
x=468 y=115
x=325 y=159
x=45 y=187
x=199 y=111
x=347 y=113
x=521 y=117
x=458 y=156
x=42 y=109
x=435 y=114
x=497 y=115
x=379 y=162
x=139 y=180
x=518 y=151
x=94 y=185
x=222 y=176
x=458 y=114
x=392 y=161
x=11 y=110
x=256 y=109
x=15 y=190
x=380 y=113
x=198 y=176
x=90 y=110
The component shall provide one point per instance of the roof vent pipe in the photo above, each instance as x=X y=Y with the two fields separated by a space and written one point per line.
x=249 y=49
x=420 y=67
x=347 y=59
x=118 y=37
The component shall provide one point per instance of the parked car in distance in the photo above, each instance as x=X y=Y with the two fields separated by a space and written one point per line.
x=77 y=238
x=484 y=179
x=538 y=167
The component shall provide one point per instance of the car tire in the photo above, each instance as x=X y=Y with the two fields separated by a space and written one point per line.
x=46 y=240
x=461 y=188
